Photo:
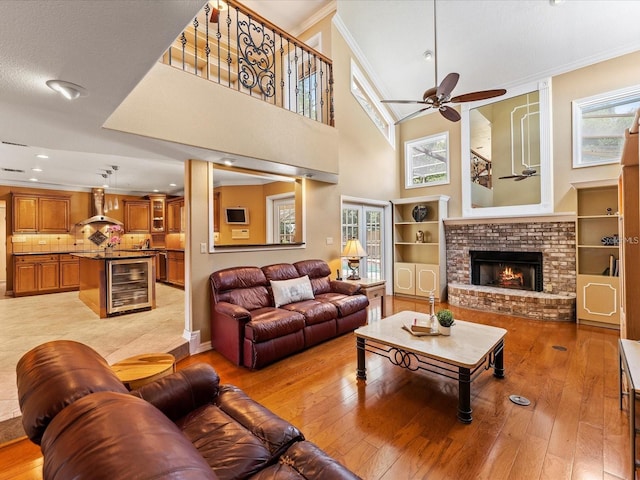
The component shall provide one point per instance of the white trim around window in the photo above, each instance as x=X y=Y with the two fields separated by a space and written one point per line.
x=370 y=102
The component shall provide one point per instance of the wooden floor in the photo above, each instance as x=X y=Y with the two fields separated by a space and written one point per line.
x=402 y=425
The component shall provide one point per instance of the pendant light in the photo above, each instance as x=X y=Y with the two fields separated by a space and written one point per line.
x=115 y=202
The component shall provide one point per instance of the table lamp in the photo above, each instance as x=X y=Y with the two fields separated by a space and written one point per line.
x=353 y=251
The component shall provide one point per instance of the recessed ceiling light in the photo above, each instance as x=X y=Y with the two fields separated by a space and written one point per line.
x=68 y=90
x=105 y=186
x=155 y=190
x=36 y=169
x=228 y=162
x=42 y=155
x=33 y=179
x=172 y=185
x=428 y=55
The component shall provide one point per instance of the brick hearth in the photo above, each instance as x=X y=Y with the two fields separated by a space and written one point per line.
x=554 y=236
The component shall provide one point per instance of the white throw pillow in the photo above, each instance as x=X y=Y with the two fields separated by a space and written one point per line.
x=290 y=291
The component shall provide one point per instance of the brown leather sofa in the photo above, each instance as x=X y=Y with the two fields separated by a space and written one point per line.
x=182 y=426
x=250 y=328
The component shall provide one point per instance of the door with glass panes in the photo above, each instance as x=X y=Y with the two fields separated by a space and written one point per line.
x=364 y=222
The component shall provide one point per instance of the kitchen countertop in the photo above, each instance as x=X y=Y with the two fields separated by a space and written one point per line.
x=117 y=255
x=93 y=252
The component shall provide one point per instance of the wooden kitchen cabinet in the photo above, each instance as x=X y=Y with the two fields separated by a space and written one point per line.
x=175 y=212
x=157 y=210
x=69 y=272
x=35 y=274
x=137 y=216
x=175 y=268
x=40 y=213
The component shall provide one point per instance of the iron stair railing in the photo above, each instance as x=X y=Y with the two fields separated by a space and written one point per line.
x=231 y=45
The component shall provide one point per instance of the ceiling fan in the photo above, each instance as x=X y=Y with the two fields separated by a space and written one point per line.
x=437 y=97
x=526 y=173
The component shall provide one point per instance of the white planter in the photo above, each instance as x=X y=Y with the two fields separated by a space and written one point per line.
x=446 y=331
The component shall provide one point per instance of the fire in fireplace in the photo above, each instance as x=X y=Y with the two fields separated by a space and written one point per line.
x=516 y=270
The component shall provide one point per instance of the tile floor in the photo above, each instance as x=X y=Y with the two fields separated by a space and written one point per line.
x=29 y=321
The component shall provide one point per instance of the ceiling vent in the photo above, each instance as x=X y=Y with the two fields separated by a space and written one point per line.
x=14 y=144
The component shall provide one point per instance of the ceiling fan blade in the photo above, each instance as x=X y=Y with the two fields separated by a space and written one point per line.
x=447 y=85
x=429 y=93
x=474 y=96
x=510 y=176
x=403 y=101
x=449 y=113
x=411 y=115
x=522 y=177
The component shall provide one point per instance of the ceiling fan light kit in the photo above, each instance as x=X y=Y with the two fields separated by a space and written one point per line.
x=437 y=97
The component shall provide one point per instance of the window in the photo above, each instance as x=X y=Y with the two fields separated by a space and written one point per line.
x=285 y=219
x=426 y=161
x=599 y=123
x=364 y=222
x=281 y=218
x=370 y=102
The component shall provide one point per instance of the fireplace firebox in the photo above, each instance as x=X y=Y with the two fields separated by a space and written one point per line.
x=515 y=270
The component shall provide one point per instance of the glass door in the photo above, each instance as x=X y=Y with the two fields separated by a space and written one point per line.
x=366 y=223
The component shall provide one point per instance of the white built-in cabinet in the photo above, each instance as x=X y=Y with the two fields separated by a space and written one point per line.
x=598 y=281
x=419 y=267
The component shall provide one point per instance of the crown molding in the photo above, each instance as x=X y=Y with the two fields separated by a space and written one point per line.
x=329 y=8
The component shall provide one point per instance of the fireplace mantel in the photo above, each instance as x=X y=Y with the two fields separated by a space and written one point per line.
x=553 y=217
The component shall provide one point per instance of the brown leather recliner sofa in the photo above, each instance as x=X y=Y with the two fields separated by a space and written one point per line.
x=254 y=324
x=182 y=426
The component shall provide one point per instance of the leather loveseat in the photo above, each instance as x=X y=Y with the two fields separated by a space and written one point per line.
x=253 y=323
x=182 y=426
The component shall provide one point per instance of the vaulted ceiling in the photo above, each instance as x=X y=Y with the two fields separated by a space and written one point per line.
x=107 y=46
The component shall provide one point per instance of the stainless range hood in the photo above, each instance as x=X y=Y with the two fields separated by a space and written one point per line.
x=98 y=210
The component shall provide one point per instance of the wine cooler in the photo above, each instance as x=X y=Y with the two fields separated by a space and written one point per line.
x=130 y=284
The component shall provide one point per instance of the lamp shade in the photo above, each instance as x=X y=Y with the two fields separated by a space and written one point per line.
x=353 y=249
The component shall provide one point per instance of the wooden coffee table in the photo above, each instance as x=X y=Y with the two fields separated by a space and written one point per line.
x=471 y=349
x=142 y=369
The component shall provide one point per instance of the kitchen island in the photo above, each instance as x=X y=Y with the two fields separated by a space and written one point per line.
x=117 y=283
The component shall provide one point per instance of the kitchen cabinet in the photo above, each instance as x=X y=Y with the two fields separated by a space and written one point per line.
x=69 y=272
x=419 y=253
x=40 y=213
x=175 y=267
x=157 y=210
x=137 y=216
x=34 y=274
x=175 y=215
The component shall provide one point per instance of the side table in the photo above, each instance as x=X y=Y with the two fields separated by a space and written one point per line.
x=373 y=289
x=137 y=371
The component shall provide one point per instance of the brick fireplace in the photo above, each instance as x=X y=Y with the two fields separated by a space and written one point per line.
x=553 y=238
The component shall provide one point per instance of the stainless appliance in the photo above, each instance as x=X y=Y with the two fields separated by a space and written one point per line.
x=129 y=285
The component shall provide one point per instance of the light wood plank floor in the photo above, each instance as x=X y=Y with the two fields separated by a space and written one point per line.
x=402 y=425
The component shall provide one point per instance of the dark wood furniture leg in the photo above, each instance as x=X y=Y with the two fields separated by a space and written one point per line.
x=361 y=372
x=464 y=395
x=498 y=364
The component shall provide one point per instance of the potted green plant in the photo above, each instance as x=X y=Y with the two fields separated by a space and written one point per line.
x=446 y=321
